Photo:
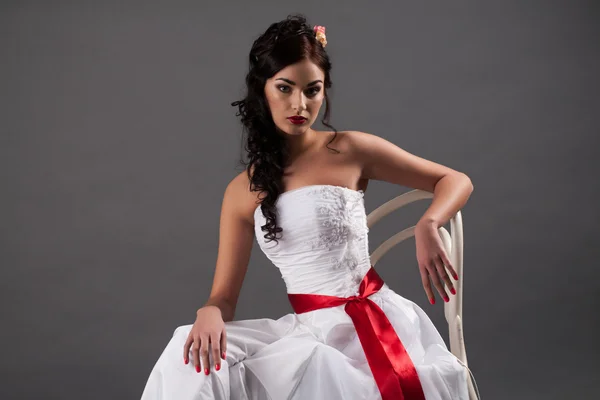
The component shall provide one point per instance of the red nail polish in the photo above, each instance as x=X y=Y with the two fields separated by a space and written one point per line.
x=432 y=300
x=452 y=291
x=218 y=367
x=197 y=368
x=456 y=277
x=446 y=299
x=185 y=360
x=223 y=355
x=206 y=371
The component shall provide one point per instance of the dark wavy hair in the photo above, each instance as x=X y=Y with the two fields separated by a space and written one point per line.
x=283 y=43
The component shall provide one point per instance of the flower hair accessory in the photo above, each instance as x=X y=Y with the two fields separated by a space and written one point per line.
x=320 y=35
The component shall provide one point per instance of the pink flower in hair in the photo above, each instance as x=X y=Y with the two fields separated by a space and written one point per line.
x=320 y=34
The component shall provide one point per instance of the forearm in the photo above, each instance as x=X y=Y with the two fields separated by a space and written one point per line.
x=450 y=195
x=227 y=310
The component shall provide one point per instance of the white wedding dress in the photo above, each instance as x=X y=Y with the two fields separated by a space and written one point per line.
x=316 y=354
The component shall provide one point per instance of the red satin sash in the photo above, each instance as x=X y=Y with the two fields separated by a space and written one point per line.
x=392 y=368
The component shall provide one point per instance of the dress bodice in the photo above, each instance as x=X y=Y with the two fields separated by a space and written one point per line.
x=323 y=248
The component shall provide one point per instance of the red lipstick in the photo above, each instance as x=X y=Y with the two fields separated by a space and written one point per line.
x=297 y=120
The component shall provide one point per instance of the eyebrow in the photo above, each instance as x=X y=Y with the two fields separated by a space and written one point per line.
x=293 y=83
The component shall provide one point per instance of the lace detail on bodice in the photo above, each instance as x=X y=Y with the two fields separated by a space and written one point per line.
x=324 y=244
x=337 y=216
x=336 y=206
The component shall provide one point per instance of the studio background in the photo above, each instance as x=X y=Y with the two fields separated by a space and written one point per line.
x=118 y=139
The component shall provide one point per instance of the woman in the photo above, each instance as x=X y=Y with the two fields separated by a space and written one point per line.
x=351 y=336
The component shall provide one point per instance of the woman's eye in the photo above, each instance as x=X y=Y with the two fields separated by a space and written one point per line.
x=311 y=92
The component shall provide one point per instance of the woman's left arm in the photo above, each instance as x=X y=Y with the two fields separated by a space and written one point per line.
x=383 y=160
x=450 y=194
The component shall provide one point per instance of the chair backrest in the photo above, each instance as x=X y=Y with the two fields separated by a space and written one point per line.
x=453 y=243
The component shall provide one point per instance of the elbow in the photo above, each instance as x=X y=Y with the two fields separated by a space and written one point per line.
x=468 y=182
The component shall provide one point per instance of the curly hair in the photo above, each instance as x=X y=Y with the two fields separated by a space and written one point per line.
x=283 y=43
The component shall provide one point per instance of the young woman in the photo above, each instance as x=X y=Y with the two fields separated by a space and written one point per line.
x=301 y=198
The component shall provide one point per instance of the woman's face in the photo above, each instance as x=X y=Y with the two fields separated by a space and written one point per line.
x=296 y=90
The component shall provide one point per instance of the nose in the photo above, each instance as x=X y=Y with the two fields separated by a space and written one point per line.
x=299 y=102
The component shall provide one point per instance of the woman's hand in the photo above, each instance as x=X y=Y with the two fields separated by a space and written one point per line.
x=432 y=257
x=208 y=328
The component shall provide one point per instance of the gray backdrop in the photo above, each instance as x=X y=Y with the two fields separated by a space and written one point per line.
x=118 y=140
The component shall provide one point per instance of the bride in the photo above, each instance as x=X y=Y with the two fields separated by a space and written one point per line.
x=302 y=198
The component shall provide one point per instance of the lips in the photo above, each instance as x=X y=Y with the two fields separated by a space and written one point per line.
x=297 y=119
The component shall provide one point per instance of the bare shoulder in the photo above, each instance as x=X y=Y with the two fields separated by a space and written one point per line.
x=239 y=199
x=341 y=140
x=358 y=140
x=356 y=144
x=383 y=160
x=352 y=142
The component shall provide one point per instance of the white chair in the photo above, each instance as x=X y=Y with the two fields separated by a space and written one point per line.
x=453 y=244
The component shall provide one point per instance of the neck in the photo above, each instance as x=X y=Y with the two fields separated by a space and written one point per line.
x=299 y=144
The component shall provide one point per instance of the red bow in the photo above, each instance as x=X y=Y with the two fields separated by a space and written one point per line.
x=392 y=368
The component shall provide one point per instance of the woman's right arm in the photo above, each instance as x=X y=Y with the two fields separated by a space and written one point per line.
x=236 y=236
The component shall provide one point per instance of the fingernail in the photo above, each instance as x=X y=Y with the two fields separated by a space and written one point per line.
x=432 y=300
x=456 y=277
x=218 y=367
x=185 y=360
x=206 y=371
x=197 y=368
x=446 y=299
x=452 y=291
x=223 y=355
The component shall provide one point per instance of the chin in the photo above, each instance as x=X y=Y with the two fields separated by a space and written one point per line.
x=292 y=129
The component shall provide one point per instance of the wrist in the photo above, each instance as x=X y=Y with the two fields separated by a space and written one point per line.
x=224 y=308
x=428 y=222
x=218 y=307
